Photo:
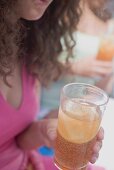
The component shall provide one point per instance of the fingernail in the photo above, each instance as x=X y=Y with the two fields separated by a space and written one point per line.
x=93 y=160
x=97 y=148
x=52 y=136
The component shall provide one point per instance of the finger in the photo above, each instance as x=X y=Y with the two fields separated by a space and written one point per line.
x=97 y=147
x=98 y=71
x=52 y=134
x=105 y=64
x=52 y=129
x=100 y=135
x=94 y=158
x=48 y=127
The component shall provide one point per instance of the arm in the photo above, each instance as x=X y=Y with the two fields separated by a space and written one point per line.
x=90 y=67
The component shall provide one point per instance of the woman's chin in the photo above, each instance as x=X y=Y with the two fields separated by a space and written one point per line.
x=33 y=16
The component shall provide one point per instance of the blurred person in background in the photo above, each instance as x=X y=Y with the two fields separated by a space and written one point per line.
x=84 y=66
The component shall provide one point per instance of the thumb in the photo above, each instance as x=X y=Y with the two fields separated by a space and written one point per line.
x=52 y=129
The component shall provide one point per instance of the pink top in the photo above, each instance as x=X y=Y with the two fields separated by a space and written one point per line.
x=13 y=121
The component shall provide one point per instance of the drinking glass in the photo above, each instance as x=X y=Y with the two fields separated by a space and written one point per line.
x=106 y=50
x=80 y=114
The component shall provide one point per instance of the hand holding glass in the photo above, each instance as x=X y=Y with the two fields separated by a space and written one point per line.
x=80 y=115
x=106 y=50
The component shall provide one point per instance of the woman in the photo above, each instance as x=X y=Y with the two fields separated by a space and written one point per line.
x=29 y=47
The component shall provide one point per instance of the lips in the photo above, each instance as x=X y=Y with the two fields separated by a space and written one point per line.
x=46 y=1
x=43 y=1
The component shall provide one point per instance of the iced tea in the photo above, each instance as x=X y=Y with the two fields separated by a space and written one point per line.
x=76 y=136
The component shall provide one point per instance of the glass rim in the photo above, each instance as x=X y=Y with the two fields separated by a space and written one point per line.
x=87 y=85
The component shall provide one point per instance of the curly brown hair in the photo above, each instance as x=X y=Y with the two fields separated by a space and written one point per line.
x=37 y=43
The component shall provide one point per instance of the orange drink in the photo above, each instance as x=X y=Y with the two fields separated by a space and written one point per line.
x=78 y=124
x=106 y=51
x=79 y=135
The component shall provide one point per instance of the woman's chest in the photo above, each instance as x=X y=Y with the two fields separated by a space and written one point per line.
x=11 y=90
x=21 y=88
x=20 y=106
